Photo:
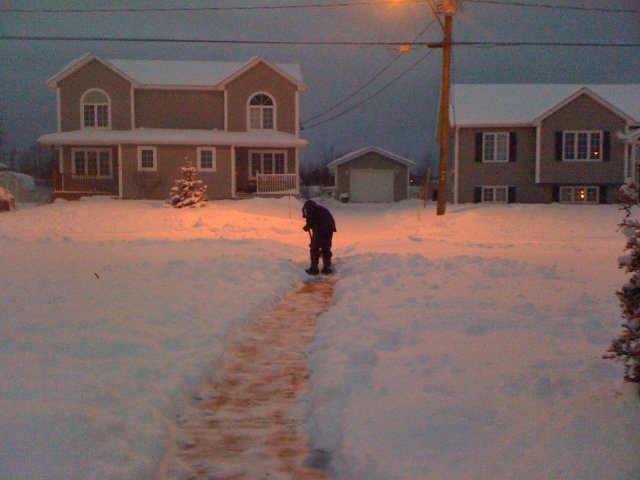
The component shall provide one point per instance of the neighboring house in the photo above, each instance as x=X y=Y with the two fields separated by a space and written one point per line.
x=543 y=143
x=125 y=127
x=371 y=174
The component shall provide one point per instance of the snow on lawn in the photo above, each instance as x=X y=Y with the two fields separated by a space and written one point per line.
x=463 y=346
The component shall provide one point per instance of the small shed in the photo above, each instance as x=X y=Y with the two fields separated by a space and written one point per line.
x=371 y=174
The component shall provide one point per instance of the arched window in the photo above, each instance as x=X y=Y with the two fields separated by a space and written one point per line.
x=262 y=112
x=95 y=109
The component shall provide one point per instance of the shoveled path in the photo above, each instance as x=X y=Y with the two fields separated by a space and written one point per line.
x=249 y=426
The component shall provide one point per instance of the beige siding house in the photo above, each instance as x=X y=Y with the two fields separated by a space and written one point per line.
x=372 y=175
x=534 y=143
x=125 y=127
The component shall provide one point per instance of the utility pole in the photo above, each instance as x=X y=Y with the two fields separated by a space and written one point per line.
x=449 y=8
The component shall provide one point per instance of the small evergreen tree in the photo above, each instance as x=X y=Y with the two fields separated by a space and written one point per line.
x=187 y=191
x=626 y=347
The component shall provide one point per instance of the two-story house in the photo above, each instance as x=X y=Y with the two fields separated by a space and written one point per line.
x=125 y=127
x=543 y=143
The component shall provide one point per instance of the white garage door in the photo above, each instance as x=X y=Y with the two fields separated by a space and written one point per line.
x=371 y=185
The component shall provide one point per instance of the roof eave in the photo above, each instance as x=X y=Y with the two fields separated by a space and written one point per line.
x=522 y=124
x=356 y=153
x=112 y=137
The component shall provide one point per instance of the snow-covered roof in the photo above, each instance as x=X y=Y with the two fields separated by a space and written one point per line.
x=524 y=104
x=357 y=153
x=179 y=73
x=160 y=136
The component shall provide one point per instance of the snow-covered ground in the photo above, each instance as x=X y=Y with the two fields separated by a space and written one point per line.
x=463 y=346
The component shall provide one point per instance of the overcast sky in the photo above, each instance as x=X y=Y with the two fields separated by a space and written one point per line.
x=401 y=118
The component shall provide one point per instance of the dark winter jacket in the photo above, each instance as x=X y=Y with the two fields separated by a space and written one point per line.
x=319 y=219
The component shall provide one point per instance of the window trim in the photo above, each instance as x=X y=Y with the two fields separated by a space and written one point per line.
x=495 y=188
x=59 y=153
x=199 y=166
x=83 y=124
x=262 y=154
x=573 y=189
x=575 y=146
x=495 y=147
x=74 y=152
x=262 y=108
x=155 y=158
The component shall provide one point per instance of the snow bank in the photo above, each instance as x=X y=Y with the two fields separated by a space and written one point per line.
x=459 y=346
x=103 y=342
x=470 y=367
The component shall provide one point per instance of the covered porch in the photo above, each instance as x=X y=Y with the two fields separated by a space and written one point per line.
x=85 y=171
x=270 y=171
x=238 y=164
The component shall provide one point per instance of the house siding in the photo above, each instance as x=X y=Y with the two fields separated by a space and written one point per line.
x=519 y=174
x=373 y=160
x=179 y=109
x=261 y=78
x=583 y=113
x=94 y=75
x=156 y=185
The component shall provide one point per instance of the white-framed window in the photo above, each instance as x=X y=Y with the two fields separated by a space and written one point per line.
x=267 y=162
x=91 y=162
x=262 y=112
x=495 y=147
x=495 y=194
x=582 y=145
x=206 y=159
x=95 y=109
x=576 y=194
x=147 y=159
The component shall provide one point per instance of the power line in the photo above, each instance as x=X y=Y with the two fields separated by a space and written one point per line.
x=373 y=95
x=558 y=7
x=316 y=43
x=53 y=38
x=369 y=82
x=541 y=44
x=209 y=9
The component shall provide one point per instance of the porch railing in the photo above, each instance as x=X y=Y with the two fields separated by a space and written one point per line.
x=81 y=183
x=276 y=183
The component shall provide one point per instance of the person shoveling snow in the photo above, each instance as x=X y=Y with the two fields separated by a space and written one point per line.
x=320 y=225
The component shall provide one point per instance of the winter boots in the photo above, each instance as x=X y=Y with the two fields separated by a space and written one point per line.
x=312 y=270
